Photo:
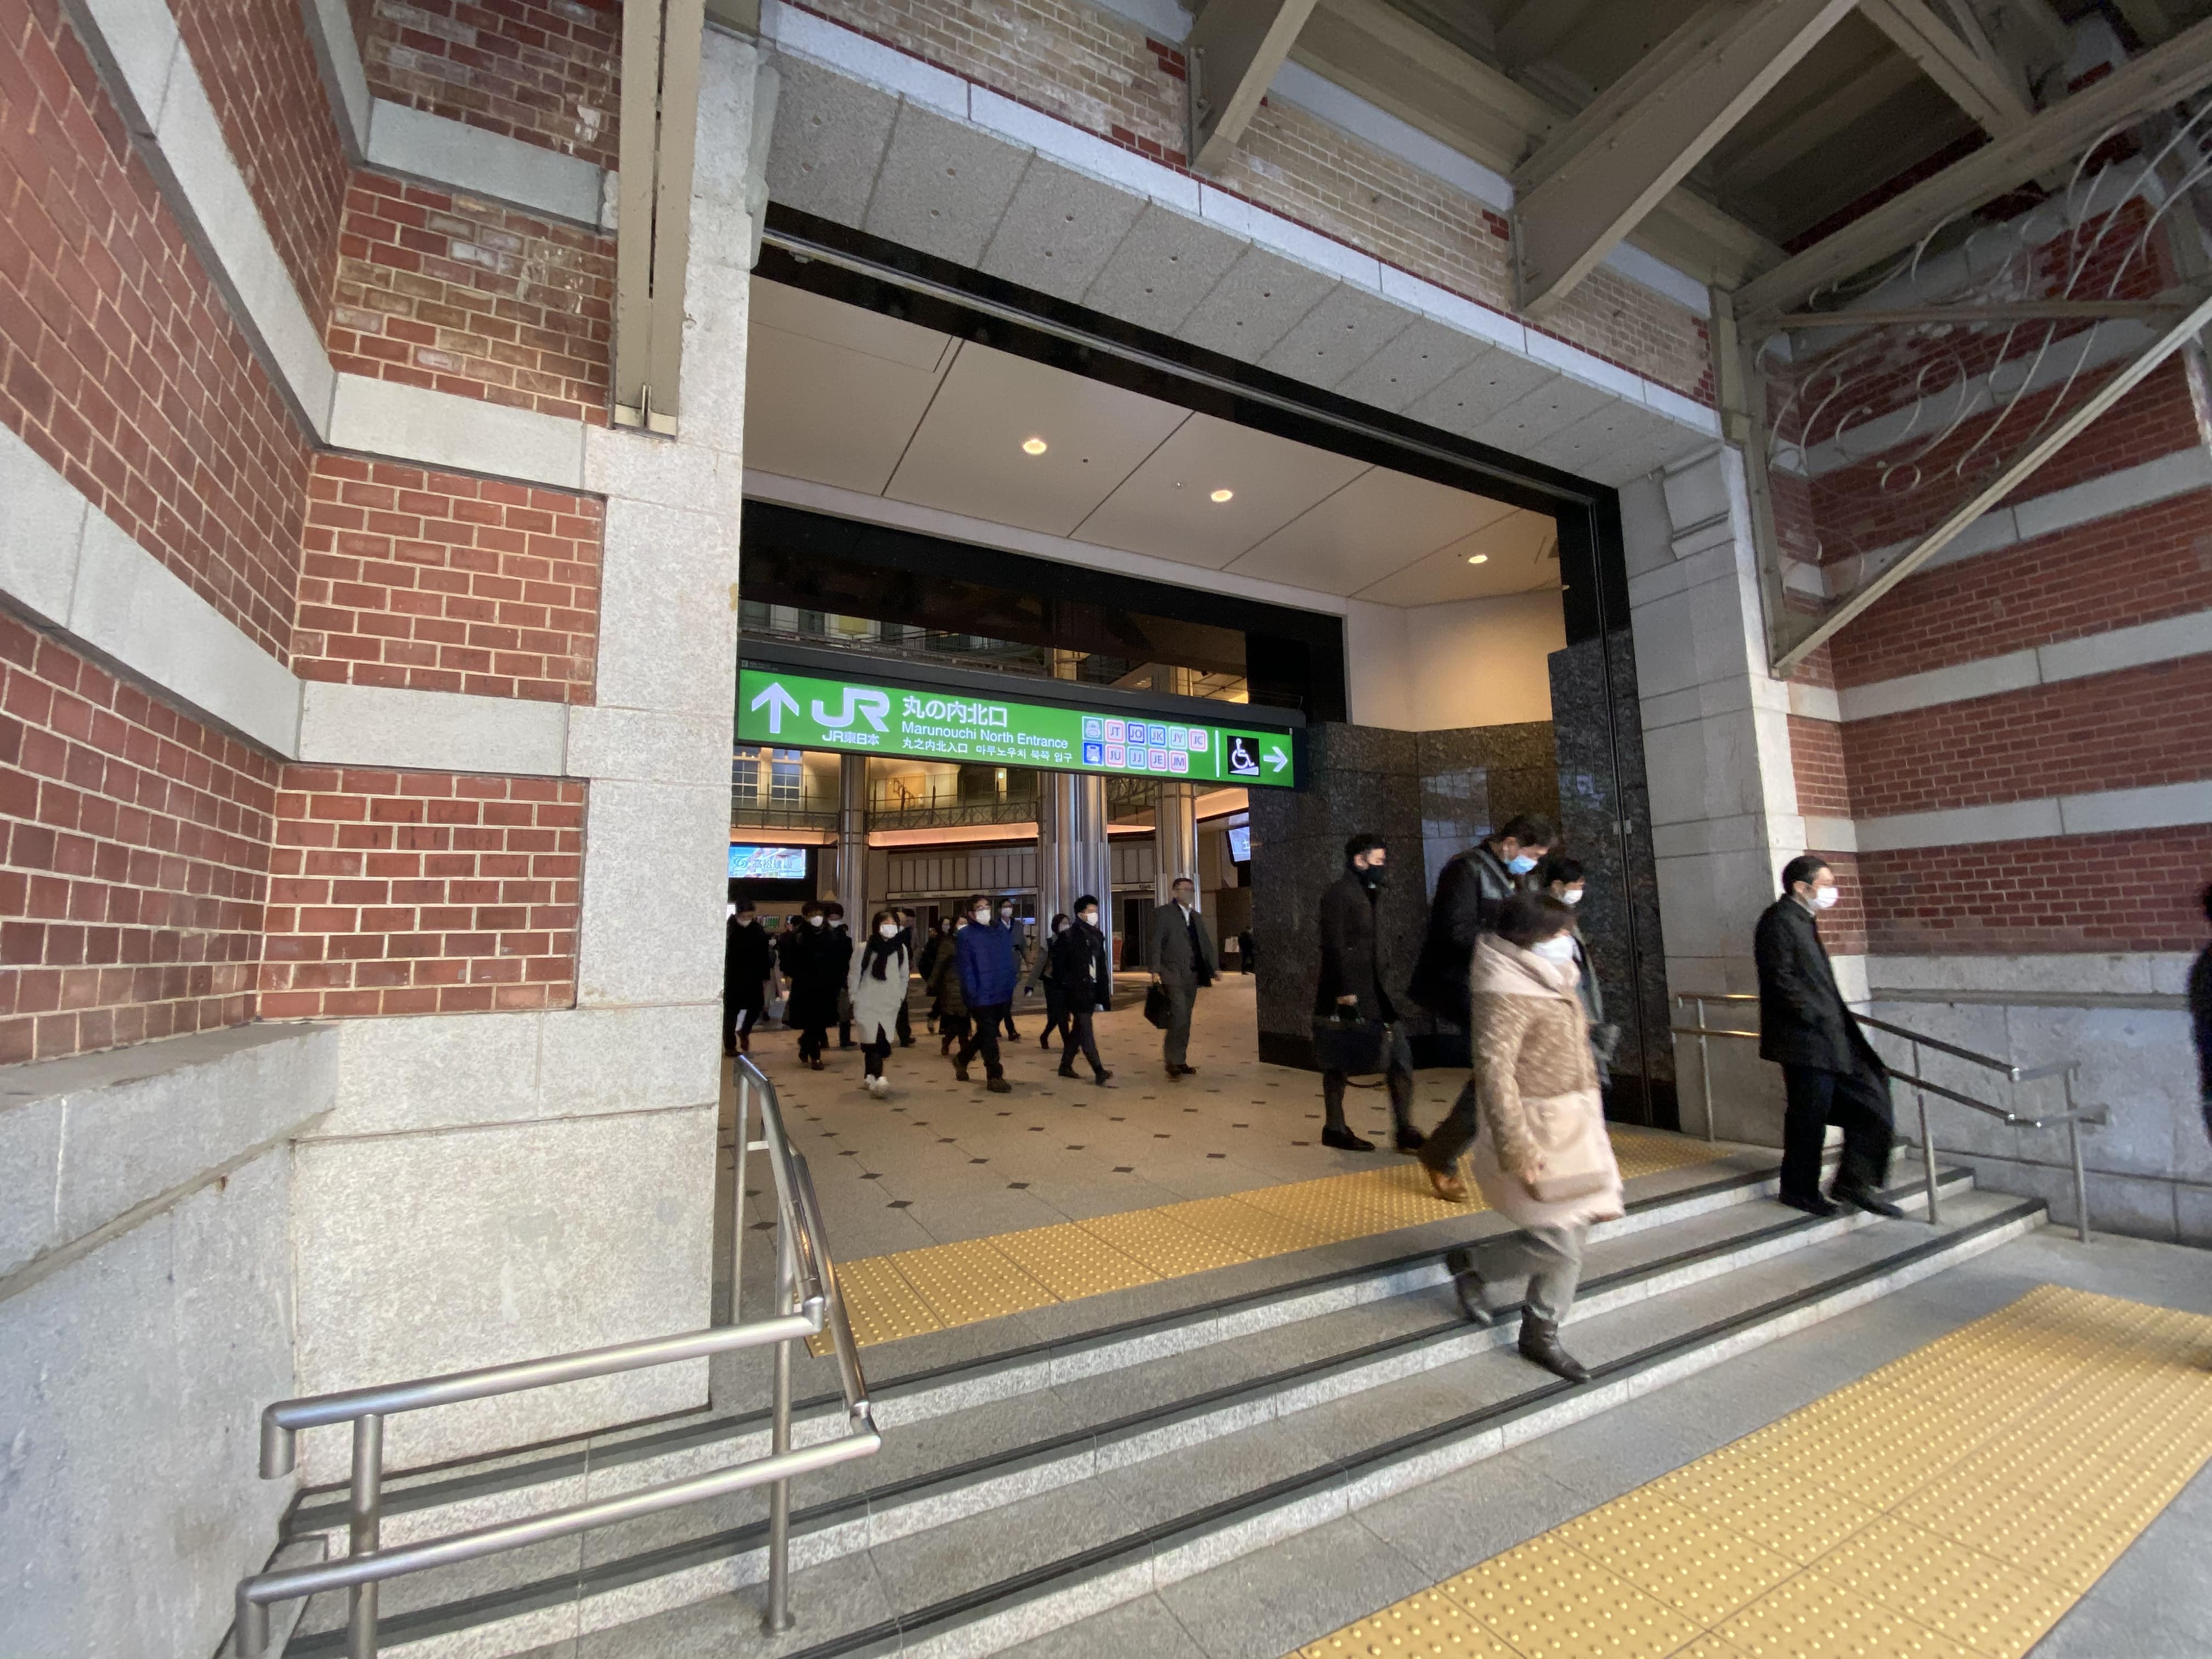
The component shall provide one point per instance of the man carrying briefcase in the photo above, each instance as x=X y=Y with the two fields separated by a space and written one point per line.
x=1355 y=1023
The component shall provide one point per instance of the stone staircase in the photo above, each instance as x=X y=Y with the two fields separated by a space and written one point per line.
x=1025 y=1484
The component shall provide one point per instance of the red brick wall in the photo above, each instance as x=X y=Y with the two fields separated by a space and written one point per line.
x=440 y=582
x=458 y=296
x=253 y=57
x=2132 y=567
x=422 y=892
x=119 y=364
x=1816 y=759
x=134 y=860
x=2131 y=892
x=546 y=71
x=2141 y=726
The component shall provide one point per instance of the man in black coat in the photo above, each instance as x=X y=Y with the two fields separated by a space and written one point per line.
x=1830 y=1072
x=1080 y=963
x=1351 y=1006
x=748 y=959
x=1470 y=893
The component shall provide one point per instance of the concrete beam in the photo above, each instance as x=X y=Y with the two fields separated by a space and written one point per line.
x=1235 y=48
x=1596 y=178
x=2165 y=75
x=1972 y=80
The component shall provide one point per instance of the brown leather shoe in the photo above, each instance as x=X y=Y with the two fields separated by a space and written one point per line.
x=1447 y=1184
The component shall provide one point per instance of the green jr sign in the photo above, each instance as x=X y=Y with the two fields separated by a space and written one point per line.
x=795 y=711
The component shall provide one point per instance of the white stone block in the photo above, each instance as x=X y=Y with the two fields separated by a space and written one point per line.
x=628 y=1060
x=41 y=527
x=430 y=731
x=128 y=606
x=382 y=417
x=628 y=744
x=435 y=1071
x=668 y=611
x=654 y=881
x=476 y=162
x=330 y=31
x=139 y=38
x=618 y=461
x=424 y=1254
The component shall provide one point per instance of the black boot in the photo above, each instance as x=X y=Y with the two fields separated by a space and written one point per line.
x=1473 y=1294
x=1410 y=1139
x=1540 y=1345
x=1344 y=1140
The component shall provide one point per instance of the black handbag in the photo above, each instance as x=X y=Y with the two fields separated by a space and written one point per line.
x=1356 y=1047
x=1155 y=1005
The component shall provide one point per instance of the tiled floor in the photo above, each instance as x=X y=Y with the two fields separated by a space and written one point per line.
x=1953 y=1503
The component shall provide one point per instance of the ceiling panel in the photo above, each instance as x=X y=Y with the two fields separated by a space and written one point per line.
x=1166 y=508
x=1515 y=550
x=966 y=457
x=834 y=413
x=1380 y=522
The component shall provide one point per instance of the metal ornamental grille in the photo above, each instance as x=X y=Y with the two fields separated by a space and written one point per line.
x=1894 y=408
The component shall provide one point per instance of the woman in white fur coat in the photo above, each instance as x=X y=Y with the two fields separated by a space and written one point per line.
x=878 y=988
x=1541 y=1155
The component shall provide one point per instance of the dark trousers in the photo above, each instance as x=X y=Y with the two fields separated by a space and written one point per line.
x=1007 y=1019
x=1080 y=1038
x=1456 y=1133
x=984 y=1037
x=812 y=1040
x=1858 y=1103
x=951 y=1028
x=904 y=1027
x=1055 y=1015
x=1182 y=998
x=874 y=1052
x=733 y=1032
x=1401 y=1097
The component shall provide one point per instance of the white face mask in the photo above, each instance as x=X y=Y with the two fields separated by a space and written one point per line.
x=1572 y=895
x=1824 y=898
x=1558 y=948
x=816 y=921
x=888 y=929
x=1089 y=918
x=983 y=918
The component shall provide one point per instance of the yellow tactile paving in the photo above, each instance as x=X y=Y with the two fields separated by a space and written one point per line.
x=1072 y=1262
x=968 y=1281
x=1951 y=1506
x=924 y=1290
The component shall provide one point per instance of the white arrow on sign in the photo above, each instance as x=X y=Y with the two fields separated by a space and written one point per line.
x=871 y=706
x=1277 y=758
x=778 y=703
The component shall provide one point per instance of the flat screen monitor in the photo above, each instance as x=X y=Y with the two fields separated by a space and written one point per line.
x=1240 y=844
x=767 y=863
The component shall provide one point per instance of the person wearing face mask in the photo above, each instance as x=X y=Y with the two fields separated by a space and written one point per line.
x=1562 y=877
x=833 y=915
x=817 y=972
x=1080 y=972
x=943 y=985
x=983 y=954
x=1355 y=1023
x=1542 y=1158
x=1830 y=1072
x=1472 y=893
x=905 y=1024
x=877 y=989
x=748 y=959
x=938 y=945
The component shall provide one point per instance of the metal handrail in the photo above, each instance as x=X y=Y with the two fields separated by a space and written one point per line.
x=2071 y=1119
x=808 y=1303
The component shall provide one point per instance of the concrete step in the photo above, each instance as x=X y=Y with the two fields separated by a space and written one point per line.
x=1207 y=1449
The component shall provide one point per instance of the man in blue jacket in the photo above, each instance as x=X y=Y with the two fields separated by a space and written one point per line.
x=984 y=950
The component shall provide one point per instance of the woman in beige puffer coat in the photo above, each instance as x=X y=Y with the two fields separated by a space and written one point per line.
x=1541 y=1155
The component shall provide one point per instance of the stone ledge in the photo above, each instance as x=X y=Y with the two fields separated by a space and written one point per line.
x=90 y=1139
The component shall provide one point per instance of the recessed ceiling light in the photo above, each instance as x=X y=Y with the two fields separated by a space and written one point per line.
x=1223 y=495
x=1478 y=558
x=1033 y=446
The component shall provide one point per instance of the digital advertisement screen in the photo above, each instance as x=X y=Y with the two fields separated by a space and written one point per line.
x=767 y=863
x=798 y=712
x=1240 y=844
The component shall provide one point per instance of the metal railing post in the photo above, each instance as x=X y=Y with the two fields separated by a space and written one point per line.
x=778 y=1617
x=744 y=1088
x=1705 y=1072
x=364 y=1519
x=1927 y=1141
x=2081 y=1176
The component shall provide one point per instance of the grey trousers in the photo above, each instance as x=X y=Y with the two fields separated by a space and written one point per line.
x=1551 y=1257
x=1183 y=995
